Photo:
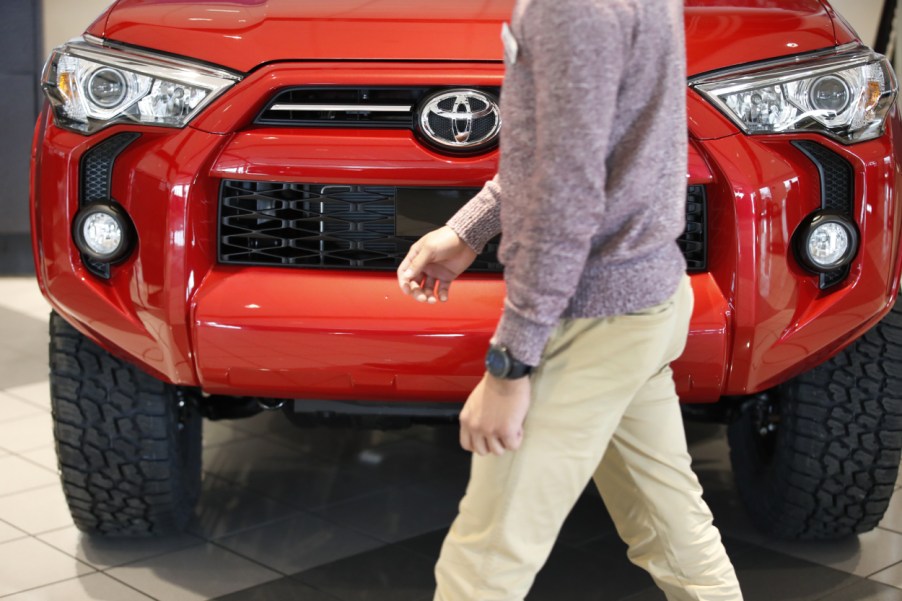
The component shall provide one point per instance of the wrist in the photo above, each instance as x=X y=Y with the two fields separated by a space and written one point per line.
x=500 y=363
x=504 y=386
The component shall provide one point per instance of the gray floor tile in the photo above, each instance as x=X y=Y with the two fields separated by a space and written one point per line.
x=329 y=443
x=598 y=570
x=388 y=574
x=104 y=553
x=225 y=508
x=27 y=433
x=12 y=408
x=22 y=333
x=28 y=563
x=395 y=514
x=36 y=393
x=863 y=555
x=8 y=533
x=93 y=587
x=21 y=295
x=891 y=575
x=892 y=519
x=866 y=591
x=428 y=545
x=36 y=511
x=193 y=574
x=17 y=475
x=409 y=462
x=284 y=589
x=284 y=473
x=44 y=457
x=588 y=520
x=766 y=575
x=222 y=432
x=23 y=349
x=298 y=543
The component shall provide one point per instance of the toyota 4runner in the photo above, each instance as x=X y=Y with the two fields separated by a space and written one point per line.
x=221 y=192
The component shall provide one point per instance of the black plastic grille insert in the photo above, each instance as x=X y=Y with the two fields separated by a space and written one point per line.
x=837 y=191
x=694 y=241
x=336 y=226
x=96 y=174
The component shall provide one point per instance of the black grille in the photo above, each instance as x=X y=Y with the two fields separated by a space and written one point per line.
x=96 y=175
x=693 y=242
x=364 y=116
x=837 y=177
x=837 y=192
x=97 y=167
x=352 y=227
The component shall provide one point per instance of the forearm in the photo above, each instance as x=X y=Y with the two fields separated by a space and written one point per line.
x=479 y=220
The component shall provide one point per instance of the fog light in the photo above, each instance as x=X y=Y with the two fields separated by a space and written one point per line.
x=826 y=242
x=103 y=232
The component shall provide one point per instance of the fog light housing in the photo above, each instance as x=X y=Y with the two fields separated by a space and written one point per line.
x=103 y=232
x=826 y=242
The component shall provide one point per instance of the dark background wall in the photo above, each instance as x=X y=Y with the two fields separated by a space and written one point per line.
x=20 y=47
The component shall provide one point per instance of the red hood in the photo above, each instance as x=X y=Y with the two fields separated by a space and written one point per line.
x=243 y=34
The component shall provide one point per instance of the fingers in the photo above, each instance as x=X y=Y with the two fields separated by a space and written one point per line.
x=444 y=289
x=423 y=291
x=429 y=289
x=412 y=280
x=512 y=442
x=480 y=445
x=406 y=279
x=495 y=446
x=483 y=444
x=411 y=268
x=466 y=442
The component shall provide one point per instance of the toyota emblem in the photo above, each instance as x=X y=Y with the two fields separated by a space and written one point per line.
x=460 y=120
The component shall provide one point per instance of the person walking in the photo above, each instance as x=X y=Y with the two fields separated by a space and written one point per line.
x=590 y=200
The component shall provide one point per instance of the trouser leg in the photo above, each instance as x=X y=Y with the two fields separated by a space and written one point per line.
x=515 y=504
x=654 y=497
x=656 y=502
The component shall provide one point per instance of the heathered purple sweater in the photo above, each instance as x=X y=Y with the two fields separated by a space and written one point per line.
x=591 y=188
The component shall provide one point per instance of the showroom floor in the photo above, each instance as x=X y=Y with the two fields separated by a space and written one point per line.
x=317 y=515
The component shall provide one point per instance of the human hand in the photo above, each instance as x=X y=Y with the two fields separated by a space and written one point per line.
x=492 y=418
x=432 y=263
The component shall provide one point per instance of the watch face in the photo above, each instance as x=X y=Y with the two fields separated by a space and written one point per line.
x=497 y=362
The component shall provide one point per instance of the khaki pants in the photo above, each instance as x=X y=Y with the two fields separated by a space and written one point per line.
x=604 y=407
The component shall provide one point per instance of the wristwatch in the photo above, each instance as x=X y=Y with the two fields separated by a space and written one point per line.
x=500 y=363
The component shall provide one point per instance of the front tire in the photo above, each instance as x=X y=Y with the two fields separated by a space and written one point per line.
x=817 y=457
x=128 y=445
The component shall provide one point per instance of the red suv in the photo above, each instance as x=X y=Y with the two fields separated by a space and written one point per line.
x=221 y=193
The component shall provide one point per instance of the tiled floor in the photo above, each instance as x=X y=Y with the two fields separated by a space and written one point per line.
x=326 y=515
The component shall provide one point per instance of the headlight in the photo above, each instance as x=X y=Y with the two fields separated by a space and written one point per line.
x=845 y=95
x=91 y=86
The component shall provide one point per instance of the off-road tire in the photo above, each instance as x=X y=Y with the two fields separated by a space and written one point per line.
x=129 y=445
x=827 y=467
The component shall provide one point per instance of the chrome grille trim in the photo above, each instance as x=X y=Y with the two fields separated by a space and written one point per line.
x=363 y=108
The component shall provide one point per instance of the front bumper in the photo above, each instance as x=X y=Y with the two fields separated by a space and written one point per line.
x=298 y=333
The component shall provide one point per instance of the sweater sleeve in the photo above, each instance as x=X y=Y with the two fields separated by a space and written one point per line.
x=574 y=52
x=479 y=220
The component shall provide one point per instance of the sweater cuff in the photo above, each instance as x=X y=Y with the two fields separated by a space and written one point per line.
x=476 y=223
x=524 y=338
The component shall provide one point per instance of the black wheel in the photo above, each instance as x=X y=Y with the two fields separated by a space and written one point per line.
x=128 y=445
x=817 y=458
